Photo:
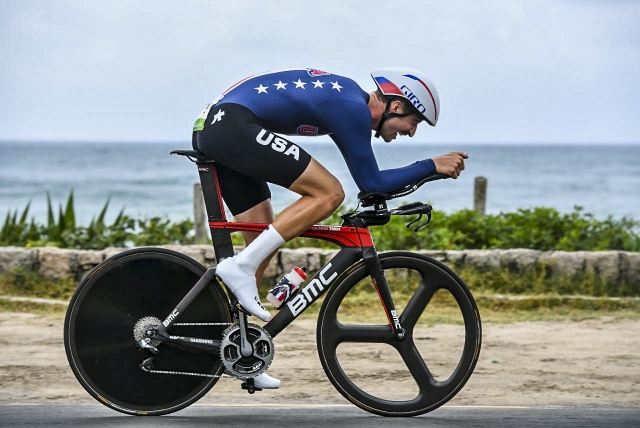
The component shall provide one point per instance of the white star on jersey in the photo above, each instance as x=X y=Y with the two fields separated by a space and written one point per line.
x=280 y=85
x=318 y=84
x=217 y=117
x=261 y=89
x=300 y=84
x=334 y=85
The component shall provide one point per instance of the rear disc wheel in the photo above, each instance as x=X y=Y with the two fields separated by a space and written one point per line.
x=108 y=308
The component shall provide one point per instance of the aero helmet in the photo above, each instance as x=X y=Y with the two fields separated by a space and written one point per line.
x=412 y=85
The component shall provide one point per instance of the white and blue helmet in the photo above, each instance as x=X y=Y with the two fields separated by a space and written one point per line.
x=412 y=85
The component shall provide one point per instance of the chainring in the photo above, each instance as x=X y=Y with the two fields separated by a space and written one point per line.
x=246 y=367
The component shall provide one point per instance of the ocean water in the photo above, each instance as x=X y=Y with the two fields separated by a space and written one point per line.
x=146 y=181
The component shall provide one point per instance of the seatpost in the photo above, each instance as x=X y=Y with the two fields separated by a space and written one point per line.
x=221 y=237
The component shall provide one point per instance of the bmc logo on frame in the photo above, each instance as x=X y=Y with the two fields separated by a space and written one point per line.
x=170 y=318
x=309 y=293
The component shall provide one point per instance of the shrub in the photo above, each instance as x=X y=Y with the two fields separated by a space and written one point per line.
x=538 y=228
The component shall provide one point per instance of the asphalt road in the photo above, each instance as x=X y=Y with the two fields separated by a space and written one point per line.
x=347 y=416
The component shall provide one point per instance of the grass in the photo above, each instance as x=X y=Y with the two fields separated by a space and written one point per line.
x=29 y=284
x=502 y=297
x=538 y=280
x=48 y=310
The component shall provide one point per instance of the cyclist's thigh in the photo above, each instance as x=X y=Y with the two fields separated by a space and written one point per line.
x=233 y=137
x=241 y=192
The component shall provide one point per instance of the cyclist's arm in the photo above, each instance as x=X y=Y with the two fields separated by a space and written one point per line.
x=351 y=131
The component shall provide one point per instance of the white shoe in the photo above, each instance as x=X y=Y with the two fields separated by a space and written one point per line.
x=264 y=381
x=243 y=286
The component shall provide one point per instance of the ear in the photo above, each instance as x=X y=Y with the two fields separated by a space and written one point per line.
x=396 y=106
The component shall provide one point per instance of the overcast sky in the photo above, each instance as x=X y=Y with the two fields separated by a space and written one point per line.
x=506 y=71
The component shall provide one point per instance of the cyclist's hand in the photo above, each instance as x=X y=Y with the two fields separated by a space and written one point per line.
x=451 y=164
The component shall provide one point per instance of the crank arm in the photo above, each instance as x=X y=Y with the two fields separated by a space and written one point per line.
x=246 y=350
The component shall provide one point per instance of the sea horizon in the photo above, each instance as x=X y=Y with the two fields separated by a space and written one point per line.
x=147 y=182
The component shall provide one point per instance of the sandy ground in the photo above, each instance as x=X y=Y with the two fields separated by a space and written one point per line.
x=541 y=363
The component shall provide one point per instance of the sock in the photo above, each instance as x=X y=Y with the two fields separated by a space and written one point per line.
x=267 y=242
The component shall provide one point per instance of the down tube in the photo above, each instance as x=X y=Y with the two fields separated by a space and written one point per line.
x=315 y=288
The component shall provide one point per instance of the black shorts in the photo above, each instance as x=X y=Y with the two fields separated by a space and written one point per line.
x=247 y=156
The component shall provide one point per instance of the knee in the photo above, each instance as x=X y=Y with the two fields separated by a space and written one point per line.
x=333 y=197
x=338 y=196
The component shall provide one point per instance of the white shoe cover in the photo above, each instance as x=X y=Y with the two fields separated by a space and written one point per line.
x=243 y=286
x=265 y=381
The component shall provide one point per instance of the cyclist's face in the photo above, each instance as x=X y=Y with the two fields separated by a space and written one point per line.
x=399 y=125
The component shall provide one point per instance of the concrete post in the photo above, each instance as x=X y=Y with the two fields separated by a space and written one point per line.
x=480 y=195
x=199 y=215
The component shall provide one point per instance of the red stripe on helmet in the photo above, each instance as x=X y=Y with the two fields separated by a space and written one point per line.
x=387 y=87
x=433 y=100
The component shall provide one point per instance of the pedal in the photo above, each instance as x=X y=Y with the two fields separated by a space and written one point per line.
x=250 y=388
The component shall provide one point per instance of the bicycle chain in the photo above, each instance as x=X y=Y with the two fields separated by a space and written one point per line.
x=182 y=324
x=173 y=372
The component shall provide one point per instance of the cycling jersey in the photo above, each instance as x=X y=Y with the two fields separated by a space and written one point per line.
x=311 y=102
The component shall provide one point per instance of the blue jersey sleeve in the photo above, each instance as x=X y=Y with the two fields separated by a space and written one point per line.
x=351 y=131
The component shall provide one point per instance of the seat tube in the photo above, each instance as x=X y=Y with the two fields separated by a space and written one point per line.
x=372 y=261
x=221 y=237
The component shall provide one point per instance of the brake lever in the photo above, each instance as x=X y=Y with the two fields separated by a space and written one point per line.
x=425 y=223
x=408 y=226
x=417 y=219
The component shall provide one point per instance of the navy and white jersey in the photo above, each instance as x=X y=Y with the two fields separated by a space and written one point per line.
x=312 y=102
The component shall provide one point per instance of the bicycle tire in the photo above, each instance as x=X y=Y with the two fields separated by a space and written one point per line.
x=98 y=331
x=431 y=393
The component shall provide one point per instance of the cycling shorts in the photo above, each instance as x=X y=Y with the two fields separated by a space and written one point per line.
x=247 y=155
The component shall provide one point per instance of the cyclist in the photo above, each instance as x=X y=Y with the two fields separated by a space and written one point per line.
x=241 y=130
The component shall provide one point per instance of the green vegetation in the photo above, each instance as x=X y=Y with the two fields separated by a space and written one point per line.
x=29 y=284
x=63 y=232
x=538 y=228
x=537 y=281
x=502 y=296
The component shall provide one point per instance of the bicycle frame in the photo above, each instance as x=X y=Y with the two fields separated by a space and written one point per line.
x=356 y=244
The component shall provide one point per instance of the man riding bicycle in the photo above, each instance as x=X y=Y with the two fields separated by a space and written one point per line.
x=238 y=131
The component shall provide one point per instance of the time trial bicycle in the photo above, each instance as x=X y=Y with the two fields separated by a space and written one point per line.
x=149 y=331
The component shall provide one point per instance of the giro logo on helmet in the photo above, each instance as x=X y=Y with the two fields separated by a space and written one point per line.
x=412 y=97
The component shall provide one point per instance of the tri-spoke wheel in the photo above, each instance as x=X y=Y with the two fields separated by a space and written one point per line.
x=405 y=377
x=131 y=289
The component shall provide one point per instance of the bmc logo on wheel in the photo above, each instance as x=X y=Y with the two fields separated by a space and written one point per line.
x=309 y=293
